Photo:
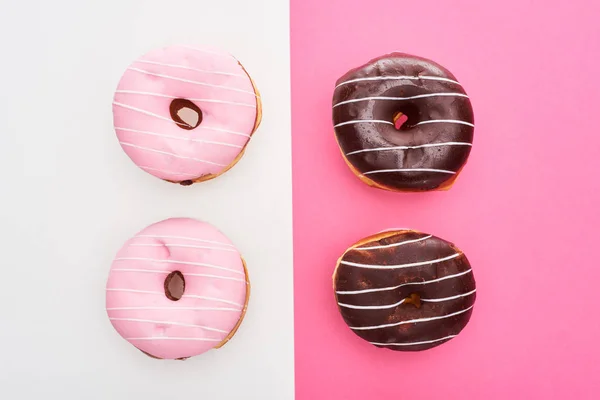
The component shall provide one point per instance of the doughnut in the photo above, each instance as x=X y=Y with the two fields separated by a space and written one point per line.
x=404 y=290
x=185 y=114
x=177 y=289
x=403 y=123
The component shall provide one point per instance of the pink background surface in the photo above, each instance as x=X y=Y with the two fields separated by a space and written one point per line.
x=524 y=210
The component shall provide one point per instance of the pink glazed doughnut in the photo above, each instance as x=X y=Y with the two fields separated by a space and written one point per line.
x=186 y=114
x=177 y=289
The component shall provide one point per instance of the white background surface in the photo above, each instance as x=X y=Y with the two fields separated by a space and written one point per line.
x=71 y=197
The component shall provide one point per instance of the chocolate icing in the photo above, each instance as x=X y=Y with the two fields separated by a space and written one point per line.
x=177 y=105
x=370 y=135
x=417 y=296
x=174 y=285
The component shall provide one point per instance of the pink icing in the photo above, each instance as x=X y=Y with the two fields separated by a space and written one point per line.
x=214 y=297
x=211 y=79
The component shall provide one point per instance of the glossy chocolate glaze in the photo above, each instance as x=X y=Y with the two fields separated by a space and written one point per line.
x=353 y=278
x=180 y=104
x=353 y=137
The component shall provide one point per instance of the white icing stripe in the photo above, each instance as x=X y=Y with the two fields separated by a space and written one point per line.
x=191 y=296
x=189 y=246
x=133 y=291
x=166 y=171
x=188 y=68
x=223 y=130
x=179 y=262
x=379 y=171
x=458 y=296
x=416 y=264
x=446 y=121
x=402 y=285
x=361 y=121
x=188 y=139
x=414 y=343
x=402 y=301
x=183 y=238
x=411 y=321
x=217 y=277
x=174 y=78
x=128 y=107
x=393 y=244
x=153 y=271
x=175 y=97
x=174 y=308
x=174 y=338
x=150 y=321
x=170 y=154
x=185 y=295
x=371 y=307
x=385 y=78
x=420 y=96
x=410 y=147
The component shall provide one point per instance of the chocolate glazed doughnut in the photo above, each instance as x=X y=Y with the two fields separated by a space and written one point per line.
x=404 y=290
x=403 y=123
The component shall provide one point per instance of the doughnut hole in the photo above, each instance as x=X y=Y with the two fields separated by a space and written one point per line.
x=185 y=114
x=406 y=117
x=174 y=286
x=413 y=299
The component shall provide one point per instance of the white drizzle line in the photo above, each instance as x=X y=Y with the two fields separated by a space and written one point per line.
x=415 y=343
x=132 y=291
x=420 y=96
x=417 y=264
x=385 y=78
x=443 y=171
x=178 y=137
x=128 y=107
x=458 y=296
x=411 y=147
x=448 y=121
x=168 y=323
x=404 y=284
x=170 y=154
x=174 y=338
x=360 y=121
x=173 y=308
x=189 y=246
x=224 y=130
x=175 y=97
x=393 y=244
x=153 y=271
x=217 y=277
x=411 y=321
x=178 y=123
x=402 y=301
x=166 y=171
x=188 y=68
x=191 y=296
x=174 y=78
x=371 y=307
x=183 y=238
x=178 y=262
